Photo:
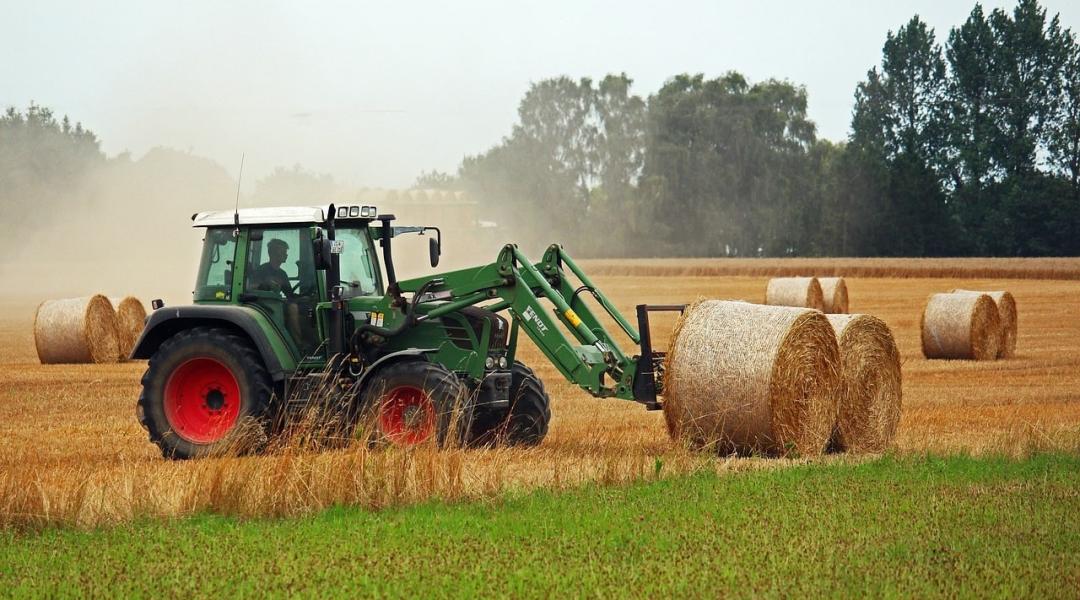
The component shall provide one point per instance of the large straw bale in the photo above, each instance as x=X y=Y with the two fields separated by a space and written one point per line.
x=803 y=292
x=76 y=330
x=130 y=319
x=961 y=326
x=870 y=391
x=749 y=378
x=834 y=292
x=1006 y=306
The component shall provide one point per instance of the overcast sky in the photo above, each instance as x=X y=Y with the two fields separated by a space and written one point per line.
x=373 y=93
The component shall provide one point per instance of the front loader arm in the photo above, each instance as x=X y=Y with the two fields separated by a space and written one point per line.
x=595 y=362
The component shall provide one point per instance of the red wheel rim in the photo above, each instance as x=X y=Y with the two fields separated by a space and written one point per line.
x=202 y=400
x=407 y=415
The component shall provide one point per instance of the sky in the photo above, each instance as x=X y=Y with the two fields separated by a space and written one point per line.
x=374 y=93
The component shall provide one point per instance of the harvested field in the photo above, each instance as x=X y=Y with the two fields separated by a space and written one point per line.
x=71 y=450
x=987 y=268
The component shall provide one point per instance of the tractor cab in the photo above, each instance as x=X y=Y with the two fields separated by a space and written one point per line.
x=291 y=263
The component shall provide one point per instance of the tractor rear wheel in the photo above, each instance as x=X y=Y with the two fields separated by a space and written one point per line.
x=524 y=423
x=414 y=402
x=205 y=391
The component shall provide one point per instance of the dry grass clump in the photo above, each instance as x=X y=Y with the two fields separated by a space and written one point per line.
x=802 y=292
x=834 y=290
x=76 y=330
x=870 y=390
x=130 y=319
x=1006 y=306
x=749 y=378
x=961 y=326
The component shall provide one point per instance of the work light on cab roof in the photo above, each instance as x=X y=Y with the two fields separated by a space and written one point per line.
x=353 y=212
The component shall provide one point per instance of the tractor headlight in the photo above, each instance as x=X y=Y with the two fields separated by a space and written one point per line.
x=502 y=362
x=354 y=211
x=367 y=211
x=489 y=363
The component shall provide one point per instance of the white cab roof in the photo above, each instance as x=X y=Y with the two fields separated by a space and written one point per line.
x=262 y=216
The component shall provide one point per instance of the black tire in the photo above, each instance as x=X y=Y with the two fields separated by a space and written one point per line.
x=437 y=406
x=170 y=411
x=524 y=423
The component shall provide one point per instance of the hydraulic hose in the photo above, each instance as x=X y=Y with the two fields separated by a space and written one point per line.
x=408 y=321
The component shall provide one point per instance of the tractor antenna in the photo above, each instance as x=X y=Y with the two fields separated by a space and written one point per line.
x=236 y=207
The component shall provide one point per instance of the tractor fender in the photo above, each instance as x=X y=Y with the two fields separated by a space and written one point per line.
x=411 y=353
x=166 y=322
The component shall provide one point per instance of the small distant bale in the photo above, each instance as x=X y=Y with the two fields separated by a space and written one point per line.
x=130 y=319
x=1006 y=306
x=965 y=326
x=834 y=293
x=752 y=379
x=802 y=292
x=76 y=330
x=870 y=384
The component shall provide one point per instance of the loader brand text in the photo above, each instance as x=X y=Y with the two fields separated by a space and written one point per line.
x=530 y=315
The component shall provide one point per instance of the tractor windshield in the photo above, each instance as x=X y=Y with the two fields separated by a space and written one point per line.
x=214 y=281
x=359 y=267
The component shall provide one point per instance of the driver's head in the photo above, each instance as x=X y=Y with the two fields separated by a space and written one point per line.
x=278 y=251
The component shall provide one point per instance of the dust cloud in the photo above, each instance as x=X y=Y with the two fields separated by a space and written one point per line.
x=125 y=228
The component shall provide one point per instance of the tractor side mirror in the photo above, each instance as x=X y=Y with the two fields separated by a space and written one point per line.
x=434 y=251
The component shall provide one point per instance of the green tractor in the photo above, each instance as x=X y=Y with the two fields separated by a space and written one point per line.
x=285 y=297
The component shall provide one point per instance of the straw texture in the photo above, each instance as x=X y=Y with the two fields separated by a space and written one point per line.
x=752 y=379
x=130 y=319
x=1006 y=306
x=870 y=390
x=834 y=292
x=803 y=292
x=76 y=330
x=961 y=326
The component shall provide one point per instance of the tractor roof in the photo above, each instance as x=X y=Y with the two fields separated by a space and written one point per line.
x=262 y=216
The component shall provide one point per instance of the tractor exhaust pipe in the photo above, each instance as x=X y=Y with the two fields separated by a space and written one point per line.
x=388 y=259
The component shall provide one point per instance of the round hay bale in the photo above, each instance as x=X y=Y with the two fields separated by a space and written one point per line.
x=76 y=330
x=749 y=378
x=130 y=319
x=803 y=292
x=834 y=292
x=961 y=326
x=870 y=391
x=1006 y=306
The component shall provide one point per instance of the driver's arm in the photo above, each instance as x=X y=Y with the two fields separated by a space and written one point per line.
x=282 y=282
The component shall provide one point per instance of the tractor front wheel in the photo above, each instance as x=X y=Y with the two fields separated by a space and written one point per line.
x=524 y=423
x=415 y=402
x=205 y=391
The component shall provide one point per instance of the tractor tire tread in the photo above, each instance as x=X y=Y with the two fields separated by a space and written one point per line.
x=160 y=433
x=525 y=422
x=457 y=405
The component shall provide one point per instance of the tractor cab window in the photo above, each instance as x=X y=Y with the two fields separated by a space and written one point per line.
x=215 y=278
x=359 y=267
x=279 y=279
x=280 y=261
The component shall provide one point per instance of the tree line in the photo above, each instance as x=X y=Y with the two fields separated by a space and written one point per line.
x=966 y=148
x=970 y=146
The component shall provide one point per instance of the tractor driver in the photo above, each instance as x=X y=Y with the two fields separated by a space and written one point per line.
x=270 y=276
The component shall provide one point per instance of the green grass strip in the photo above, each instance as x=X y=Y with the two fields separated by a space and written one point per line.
x=913 y=527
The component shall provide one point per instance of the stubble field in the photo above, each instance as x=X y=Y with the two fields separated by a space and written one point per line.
x=71 y=451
